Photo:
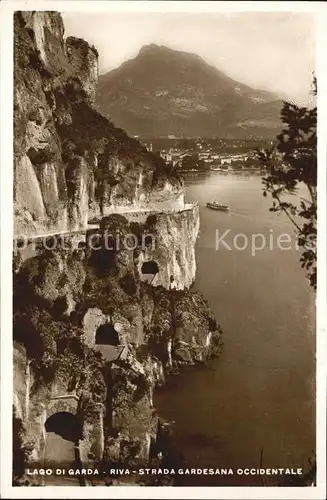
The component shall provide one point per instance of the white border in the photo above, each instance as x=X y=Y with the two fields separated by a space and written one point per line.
x=6 y=9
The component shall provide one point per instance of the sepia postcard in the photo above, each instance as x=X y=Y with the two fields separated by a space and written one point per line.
x=163 y=249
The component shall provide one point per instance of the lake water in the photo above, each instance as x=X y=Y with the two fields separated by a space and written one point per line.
x=260 y=392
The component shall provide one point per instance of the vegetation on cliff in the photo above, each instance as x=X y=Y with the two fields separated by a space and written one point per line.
x=53 y=293
x=62 y=297
x=76 y=154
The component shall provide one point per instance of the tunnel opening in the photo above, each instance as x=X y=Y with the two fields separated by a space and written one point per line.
x=149 y=270
x=107 y=335
x=65 y=425
x=150 y=267
x=64 y=431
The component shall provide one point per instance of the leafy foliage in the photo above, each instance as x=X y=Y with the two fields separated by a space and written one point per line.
x=291 y=163
x=129 y=450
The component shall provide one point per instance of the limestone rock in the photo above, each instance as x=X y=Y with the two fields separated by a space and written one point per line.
x=71 y=163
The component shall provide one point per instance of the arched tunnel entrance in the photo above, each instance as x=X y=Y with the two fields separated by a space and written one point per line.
x=64 y=424
x=149 y=270
x=63 y=432
x=107 y=335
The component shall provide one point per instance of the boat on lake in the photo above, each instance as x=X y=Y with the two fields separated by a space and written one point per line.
x=217 y=205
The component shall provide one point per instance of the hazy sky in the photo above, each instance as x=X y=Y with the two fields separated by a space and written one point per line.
x=268 y=50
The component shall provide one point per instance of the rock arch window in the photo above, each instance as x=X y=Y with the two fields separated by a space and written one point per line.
x=150 y=267
x=66 y=425
x=107 y=335
x=149 y=270
x=63 y=433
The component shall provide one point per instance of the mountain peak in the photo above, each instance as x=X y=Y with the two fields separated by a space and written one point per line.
x=165 y=91
x=155 y=49
x=151 y=47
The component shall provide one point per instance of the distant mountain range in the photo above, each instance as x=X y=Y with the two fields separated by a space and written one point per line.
x=165 y=92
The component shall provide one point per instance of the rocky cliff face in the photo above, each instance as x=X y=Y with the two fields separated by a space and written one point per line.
x=94 y=340
x=169 y=243
x=70 y=162
x=103 y=316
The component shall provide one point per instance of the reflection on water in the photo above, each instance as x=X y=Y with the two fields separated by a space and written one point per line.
x=260 y=392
